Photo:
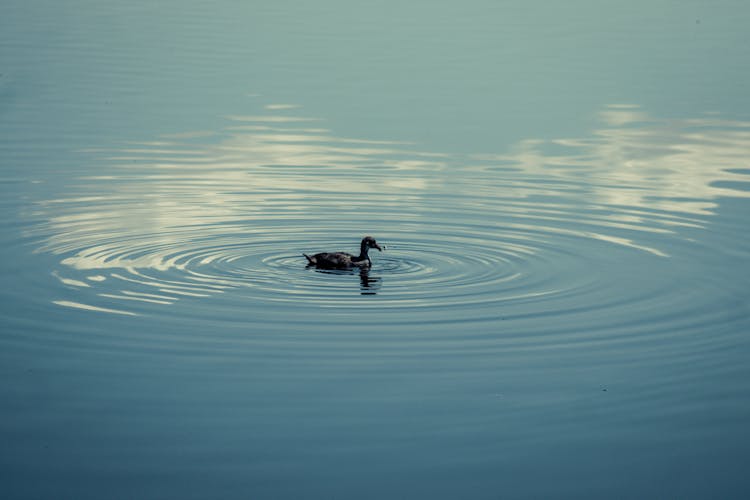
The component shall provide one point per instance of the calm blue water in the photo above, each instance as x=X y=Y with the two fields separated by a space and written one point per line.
x=562 y=309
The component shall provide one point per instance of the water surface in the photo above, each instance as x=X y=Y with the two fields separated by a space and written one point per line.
x=561 y=309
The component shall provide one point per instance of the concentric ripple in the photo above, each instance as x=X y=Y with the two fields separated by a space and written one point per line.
x=476 y=239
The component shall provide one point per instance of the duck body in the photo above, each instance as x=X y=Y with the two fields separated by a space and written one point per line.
x=343 y=260
x=336 y=260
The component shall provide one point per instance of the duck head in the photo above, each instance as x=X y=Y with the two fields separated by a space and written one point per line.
x=369 y=242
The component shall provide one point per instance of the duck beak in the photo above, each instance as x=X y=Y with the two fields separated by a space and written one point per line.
x=378 y=247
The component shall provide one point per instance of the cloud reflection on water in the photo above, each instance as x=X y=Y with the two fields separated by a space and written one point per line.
x=641 y=162
x=199 y=198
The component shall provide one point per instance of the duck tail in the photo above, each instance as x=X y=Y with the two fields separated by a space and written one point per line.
x=309 y=259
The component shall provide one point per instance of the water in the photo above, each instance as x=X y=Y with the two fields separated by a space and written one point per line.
x=561 y=309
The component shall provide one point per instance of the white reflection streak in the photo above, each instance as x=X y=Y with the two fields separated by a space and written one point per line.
x=138 y=299
x=281 y=106
x=78 y=305
x=69 y=281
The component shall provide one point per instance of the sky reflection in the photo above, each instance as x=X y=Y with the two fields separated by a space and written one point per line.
x=265 y=187
x=641 y=162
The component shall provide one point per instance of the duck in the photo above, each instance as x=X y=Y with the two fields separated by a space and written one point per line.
x=343 y=260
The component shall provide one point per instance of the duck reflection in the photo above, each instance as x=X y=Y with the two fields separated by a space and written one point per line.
x=368 y=285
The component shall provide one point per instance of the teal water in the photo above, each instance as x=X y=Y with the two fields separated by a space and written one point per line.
x=561 y=310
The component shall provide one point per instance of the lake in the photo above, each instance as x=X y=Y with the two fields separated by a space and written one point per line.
x=561 y=308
